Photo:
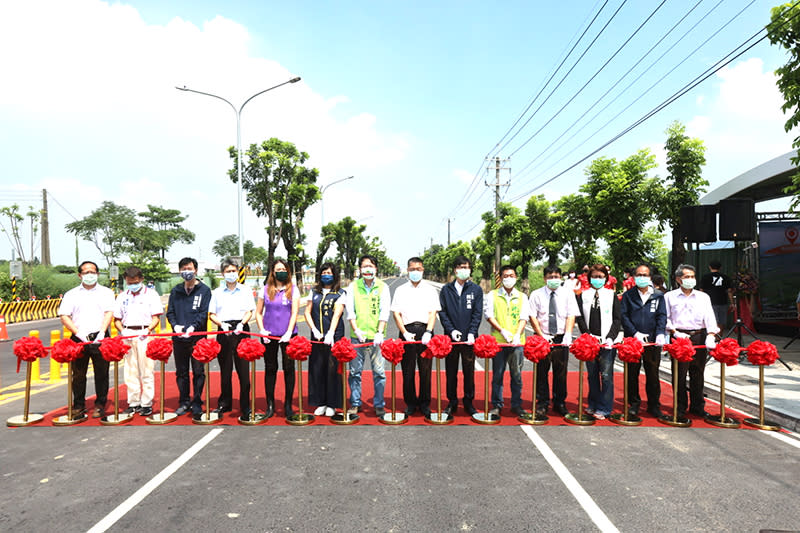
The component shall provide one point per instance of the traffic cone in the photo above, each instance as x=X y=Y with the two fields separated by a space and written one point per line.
x=3 y=330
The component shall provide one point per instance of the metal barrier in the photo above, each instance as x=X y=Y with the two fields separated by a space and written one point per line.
x=15 y=312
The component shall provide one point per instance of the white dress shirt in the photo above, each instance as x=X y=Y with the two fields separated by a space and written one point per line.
x=86 y=307
x=566 y=306
x=137 y=309
x=231 y=305
x=690 y=312
x=415 y=303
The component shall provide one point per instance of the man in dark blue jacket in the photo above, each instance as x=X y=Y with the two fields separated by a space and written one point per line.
x=187 y=312
x=644 y=316
x=462 y=305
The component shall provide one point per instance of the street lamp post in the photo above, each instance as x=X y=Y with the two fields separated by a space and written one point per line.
x=322 y=197
x=239 y=147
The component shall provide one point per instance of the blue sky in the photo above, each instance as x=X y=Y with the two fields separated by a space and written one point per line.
x=408 y=97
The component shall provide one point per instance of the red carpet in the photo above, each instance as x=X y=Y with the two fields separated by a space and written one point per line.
x=367 y=416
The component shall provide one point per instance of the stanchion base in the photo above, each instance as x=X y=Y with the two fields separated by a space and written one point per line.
x=680 y=422
x=203 y=420
x=344 y=419
x=766 y=426
x=439 y=419
x=258 y=418
x=20 y=421
x=65 y=420
x=300 y=419
x=727 y=422
x=617 y=418
x=533 y=419
x=116 y=420
x=583 y=420
x=156 y=420
x=486 y=418
x=399 y=418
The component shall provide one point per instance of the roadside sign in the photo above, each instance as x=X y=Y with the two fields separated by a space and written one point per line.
x=15 y=268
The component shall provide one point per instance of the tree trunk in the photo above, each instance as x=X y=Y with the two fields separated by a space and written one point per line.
x=678 y=250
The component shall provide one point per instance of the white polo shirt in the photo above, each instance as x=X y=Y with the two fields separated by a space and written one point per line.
x=415 y=303
x=137 y=309
x=231 y=305
x=86 y=307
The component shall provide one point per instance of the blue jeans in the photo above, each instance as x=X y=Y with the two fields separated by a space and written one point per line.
x=600 y=373
x=378 y=375
x=512 y=355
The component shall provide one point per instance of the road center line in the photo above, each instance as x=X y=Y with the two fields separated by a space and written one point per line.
x=592 y=509
x=122 y=509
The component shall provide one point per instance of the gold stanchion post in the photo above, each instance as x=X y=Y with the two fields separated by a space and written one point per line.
x=533 y=418
x=162 y=418
x=394 y=418
x=116 y=419
x=254 y=418
x=438 y=417
x=343 y=418
x=68 y=419
x=625 y=419
x=486 y=417
x=26 y=419
x=675 y=420
x=722 y=421
x=759 y=422
x=300 y=418
x=579 y=418
x=208 y=417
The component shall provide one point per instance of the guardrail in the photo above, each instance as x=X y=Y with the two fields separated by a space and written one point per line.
x=15 y=312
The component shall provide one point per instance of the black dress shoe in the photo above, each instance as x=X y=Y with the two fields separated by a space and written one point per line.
x=541 y=411
x=145 y=411
x=270 y=409
x=633 y=413
x=409 y=411
x=183 y=409
x=519 y=411
x=289 y=412
x=425 y=412
x=448 y=411
x=561 y=409
x=470 y=409
x=221 y=410
x=699 y=412
x=656 y=412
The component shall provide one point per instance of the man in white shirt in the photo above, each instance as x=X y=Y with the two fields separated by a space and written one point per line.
x=137 y=313
x=86 y=312
x=691 y=316
x=553 y=311
x=414 y=307
x=231 y=308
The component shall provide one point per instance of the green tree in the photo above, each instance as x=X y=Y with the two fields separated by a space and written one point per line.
x=549 y=233
x=573 y=221
x=109 y=227
x=228 y=245
x=484 y=253
x=784 y=30
x=350 y=244
x=279 y=188
x=152 y=265
x=327 y=235
x=166 y=226
x=682 y=186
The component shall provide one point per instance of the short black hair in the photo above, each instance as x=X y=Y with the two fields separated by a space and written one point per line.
x=336 y=282
x=460 y=260
x=507 y=267
x=226 y=263
x=550 y=269
x=648 y=267
x=370 y=257
x=716 y=264
x=415 y=259
x=133 y=272
x=186 y=260
x=80 y=267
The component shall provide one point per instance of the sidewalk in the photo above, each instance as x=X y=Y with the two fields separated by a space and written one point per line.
x=781 y=385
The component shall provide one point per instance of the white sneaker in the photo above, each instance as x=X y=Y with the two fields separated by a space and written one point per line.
x=330 y=411
x=319 y=411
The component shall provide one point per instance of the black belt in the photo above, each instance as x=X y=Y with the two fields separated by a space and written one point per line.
x=137 y=327
x=691 y=331
x=418 y=324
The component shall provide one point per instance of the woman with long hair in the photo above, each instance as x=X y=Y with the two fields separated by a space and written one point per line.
x=276 y=311
x=323 y=316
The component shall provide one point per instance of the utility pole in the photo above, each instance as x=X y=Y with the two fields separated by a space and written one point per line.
x=45 y=231
x=448 y=231
x=497 y=185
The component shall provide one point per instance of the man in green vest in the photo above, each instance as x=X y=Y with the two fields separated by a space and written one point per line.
x=367 y=302
x=506 y=310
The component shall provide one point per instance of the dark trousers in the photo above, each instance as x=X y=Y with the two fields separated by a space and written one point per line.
x=411 y=359
x=79 y=368
x=467 y=356
x=324 y=380
x=558 y=358
x=182 y=348
x=271 y=373
x=228 y=359
x=651 y=357
x=695 y=368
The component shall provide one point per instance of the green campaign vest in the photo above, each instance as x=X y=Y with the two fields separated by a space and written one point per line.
x=507 y=313
x=368 y=306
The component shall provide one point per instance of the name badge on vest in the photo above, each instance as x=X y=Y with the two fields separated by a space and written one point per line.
x=470 y=297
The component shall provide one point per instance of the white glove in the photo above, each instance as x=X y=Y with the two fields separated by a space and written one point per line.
x=264 y=339
x=100 y=336
x=515 y=339
x=286 y=337
x=470 y=339
x=225 y=326
x=660 y=340
x=329 y=338
x=548 y=338
x=317 y=334
x=359 y=335
x=641 y=336
x=178 y=329
x=609 y=344
x=711 y=342
x=507 y=335
x=426 y=337
x=681 y=335
x=409 y=336
x=455 y=335
x=239 y=328
x=378 y=339
x=567 y=340
x=142 y=338
x=189 y=330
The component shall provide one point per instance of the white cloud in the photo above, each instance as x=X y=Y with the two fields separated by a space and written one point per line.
x=463 y=176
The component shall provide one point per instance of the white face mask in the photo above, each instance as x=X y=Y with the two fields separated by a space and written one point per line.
x=231 y=277
x=89 y=278
x=509 y=283
x=368 y=272
x=462 y=273
x=688 y=283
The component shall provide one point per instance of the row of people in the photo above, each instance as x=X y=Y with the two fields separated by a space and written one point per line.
x=552 y=311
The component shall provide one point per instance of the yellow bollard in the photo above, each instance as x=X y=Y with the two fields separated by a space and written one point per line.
x=55 y=366
x=114 y=331
x=35 y=373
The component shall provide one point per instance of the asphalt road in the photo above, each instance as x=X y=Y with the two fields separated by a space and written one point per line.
x=405 y=478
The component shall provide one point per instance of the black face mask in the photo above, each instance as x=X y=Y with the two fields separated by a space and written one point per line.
x=281 y=276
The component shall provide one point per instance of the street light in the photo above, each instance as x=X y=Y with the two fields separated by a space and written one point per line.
x=239 y=146
x=322 y=197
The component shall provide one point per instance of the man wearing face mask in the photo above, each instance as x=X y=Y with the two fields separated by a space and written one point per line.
x=137 y=313
x=187 y=312
x=230 y=309
x=553 y=310
x=86 y=312
x=691 y=316
x=644 y=316
x=506 y=310
x=415 y=306
x=462 y=303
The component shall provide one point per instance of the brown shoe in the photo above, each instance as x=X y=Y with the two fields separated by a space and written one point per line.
x=98 y=412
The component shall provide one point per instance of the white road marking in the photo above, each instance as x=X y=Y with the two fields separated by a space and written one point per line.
x=783 y=437
x=122 y=509
x=592 y=509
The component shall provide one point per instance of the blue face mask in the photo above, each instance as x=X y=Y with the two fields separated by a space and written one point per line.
x=642 y=281
x=415 y=276
x=597 y=283
x=326 y=279
x=134 y=287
